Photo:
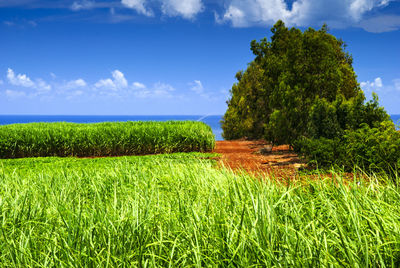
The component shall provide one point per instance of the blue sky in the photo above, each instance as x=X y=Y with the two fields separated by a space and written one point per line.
x=165 y=57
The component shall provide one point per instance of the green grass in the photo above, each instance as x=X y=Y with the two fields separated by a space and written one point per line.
x=179 y=210
x=104 y=139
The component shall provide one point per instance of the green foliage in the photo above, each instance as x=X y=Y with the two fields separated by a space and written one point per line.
x=374 y=149
x=273 y=98
x=301 y=90
x=246 y=119
x=349 y=133
x=178 y=211
x=104 y=139
x=331 y=119
x=322 y=152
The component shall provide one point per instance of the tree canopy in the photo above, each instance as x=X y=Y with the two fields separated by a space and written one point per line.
x=293 y=77
x=301 y=89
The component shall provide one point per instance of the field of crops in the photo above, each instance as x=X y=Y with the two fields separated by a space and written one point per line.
x=104 y=139
x=179 y=210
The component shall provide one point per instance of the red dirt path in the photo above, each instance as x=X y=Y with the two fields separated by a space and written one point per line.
x=239 y=154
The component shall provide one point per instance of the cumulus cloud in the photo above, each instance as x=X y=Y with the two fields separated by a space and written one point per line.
x=163 y=89
x=185 y=8
x=22 y=80
x=19 y=80
x=75 y=84
x=114 y=87
x=158 y=90
x=376 y=85
x=137 y=85
x=138 y=5
x=42 y=86
x=197 y=86
x=118 y=81
x=188 y=9
x=81 y=5
x=243 y=13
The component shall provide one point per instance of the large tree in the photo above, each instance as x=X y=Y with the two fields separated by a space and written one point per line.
x=274 y=96
x=301 y=90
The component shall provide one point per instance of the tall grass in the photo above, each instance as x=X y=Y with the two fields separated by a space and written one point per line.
x=178 y=210
x=104 y=139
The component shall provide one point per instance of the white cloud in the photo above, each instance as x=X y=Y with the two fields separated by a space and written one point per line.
x=197 y=86
x=75 y=84
x=380 y=24
x=42 y=86
x=24 y=81
x=15 y=94
x=243 y=13
x=376 y=85
x=396 y=83
x=117 y=83
x=162 y=89
x=81 y=5
x=188 y=9
x=250 y=12
x=138 y=5
x=119 y=79
x=185 y=8
x=19 y=80
x=105 y=83
x=114 y=87
x=137 y=85
x=378 y=82
x=159 y=90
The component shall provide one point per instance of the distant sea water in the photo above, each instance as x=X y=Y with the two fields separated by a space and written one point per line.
x=212 y=120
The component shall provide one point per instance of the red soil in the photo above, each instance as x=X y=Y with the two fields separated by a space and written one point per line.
x=239 y=154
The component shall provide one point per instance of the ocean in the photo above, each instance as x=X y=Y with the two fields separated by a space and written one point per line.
x=212 y=120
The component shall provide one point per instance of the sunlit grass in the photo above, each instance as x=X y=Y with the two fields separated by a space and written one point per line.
x=104 y=139
x=178 y=210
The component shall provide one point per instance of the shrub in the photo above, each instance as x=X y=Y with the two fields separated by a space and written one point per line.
x=374 y=149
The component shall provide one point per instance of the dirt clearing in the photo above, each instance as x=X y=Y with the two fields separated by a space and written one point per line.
x=238 y=154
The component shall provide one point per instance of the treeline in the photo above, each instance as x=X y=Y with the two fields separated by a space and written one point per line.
x=301 y=89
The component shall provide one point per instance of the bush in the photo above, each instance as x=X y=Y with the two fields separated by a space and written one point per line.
x=374 y=149
x=321 y=152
